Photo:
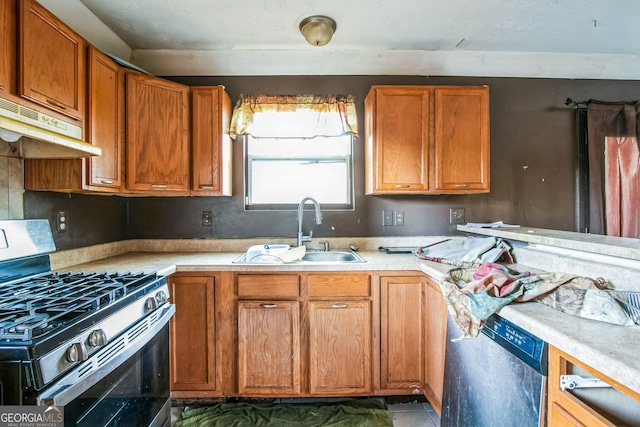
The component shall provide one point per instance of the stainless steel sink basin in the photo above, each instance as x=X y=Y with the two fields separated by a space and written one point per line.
x=332 y=256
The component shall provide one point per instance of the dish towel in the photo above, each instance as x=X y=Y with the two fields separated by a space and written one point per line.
x=474 y=294
x=471 y=252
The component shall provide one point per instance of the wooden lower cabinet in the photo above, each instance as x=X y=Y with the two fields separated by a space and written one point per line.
x=268 y=348
x=307 y=334
x=339 y=347
x=193 y=333
x=617 y=406
x=402 y=335
x=435 y=344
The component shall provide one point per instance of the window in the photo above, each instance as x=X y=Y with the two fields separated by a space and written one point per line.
x=295 y=147
x=281 y=172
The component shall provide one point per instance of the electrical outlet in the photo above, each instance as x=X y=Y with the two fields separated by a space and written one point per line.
x=399 y=218
x=456 y=216
x=62 y=222
x=207 y=218
x=387 y=218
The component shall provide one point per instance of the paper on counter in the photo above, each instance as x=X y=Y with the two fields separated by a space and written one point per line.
x=497 y=224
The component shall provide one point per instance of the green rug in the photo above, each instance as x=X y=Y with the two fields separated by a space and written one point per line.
x=351 y=413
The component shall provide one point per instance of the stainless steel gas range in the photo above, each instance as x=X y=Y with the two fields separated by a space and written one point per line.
x=95 y=343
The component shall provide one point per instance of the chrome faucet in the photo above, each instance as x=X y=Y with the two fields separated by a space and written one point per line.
x=301 y=237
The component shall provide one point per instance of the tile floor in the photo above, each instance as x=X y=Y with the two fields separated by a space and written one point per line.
x=403 y=413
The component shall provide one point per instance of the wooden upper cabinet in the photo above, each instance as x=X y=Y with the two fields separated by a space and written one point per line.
x=104 y=124
x=462 y=139
x=157 y=135
x=8 y=46
x=397 y=139
x=52 y=61
x=427 y=140
x=105 y=121
x=210 y=143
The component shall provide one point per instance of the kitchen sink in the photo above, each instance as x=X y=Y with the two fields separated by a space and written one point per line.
x=328 y=257
x=332 y=256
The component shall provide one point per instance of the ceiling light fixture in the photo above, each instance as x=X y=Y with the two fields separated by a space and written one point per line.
x=318 y=29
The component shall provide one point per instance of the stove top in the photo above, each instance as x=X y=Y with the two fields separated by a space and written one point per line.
x=35 y=307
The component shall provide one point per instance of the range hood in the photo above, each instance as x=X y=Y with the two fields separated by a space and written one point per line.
x=34 y=135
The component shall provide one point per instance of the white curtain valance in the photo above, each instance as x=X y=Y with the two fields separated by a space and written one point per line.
x=294 y=116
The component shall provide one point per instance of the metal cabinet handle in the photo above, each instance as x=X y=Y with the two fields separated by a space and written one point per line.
x=462 y=185
x=159 y=185
x=206 y=187
x=106 y=181
x=402 y=186
x=268 y=305
x=56 y=104
x=339 y=305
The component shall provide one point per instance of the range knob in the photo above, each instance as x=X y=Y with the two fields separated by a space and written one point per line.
x=150 y=304
x=98 y=338
x=77 y=352
x=161 y=297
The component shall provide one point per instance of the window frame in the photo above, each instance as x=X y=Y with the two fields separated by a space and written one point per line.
x=349 y=206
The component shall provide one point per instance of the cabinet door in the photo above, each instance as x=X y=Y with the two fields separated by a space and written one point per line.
x=211 y=144
x=268 y=348
x=397 y=140
x=462 y=139
x=436 y=317
x=402 y=335
x=8 y=46
x=193 y=363
x=339 y=347
x=104 y=125
x=617 y=405
x=52 y=61
x=157 y=134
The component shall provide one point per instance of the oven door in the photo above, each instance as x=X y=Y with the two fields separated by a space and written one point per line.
x=126 y=383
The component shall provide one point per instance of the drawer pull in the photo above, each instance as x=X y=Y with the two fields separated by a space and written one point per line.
x=106 y=181
x=268 y=305
x=339 y=305
x=462 y=185
x=159 y=185
x=56 y=104
x=402 y=186
x=206 y=187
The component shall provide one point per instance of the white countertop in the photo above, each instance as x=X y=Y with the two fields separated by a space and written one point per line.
x=610 y=349
x=592 y=243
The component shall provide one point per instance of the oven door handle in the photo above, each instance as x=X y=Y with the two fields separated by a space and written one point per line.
x=103 y=362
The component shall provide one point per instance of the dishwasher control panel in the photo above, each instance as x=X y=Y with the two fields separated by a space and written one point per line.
x=526 y=346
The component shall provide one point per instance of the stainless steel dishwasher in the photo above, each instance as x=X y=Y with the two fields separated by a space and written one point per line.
x=497 y=379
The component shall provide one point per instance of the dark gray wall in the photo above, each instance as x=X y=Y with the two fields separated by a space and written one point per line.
x=533 y=169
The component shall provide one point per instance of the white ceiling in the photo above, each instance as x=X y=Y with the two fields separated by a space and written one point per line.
x=526 y=38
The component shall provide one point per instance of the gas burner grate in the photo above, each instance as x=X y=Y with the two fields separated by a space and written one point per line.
x=36 y=306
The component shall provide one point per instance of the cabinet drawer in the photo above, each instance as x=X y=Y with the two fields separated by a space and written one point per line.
x=268 y=286
x=350 y=285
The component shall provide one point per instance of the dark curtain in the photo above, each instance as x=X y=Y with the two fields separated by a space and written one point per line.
x=617 y=119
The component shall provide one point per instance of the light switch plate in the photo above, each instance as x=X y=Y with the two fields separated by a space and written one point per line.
x=387 y=218
x=456 y=216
